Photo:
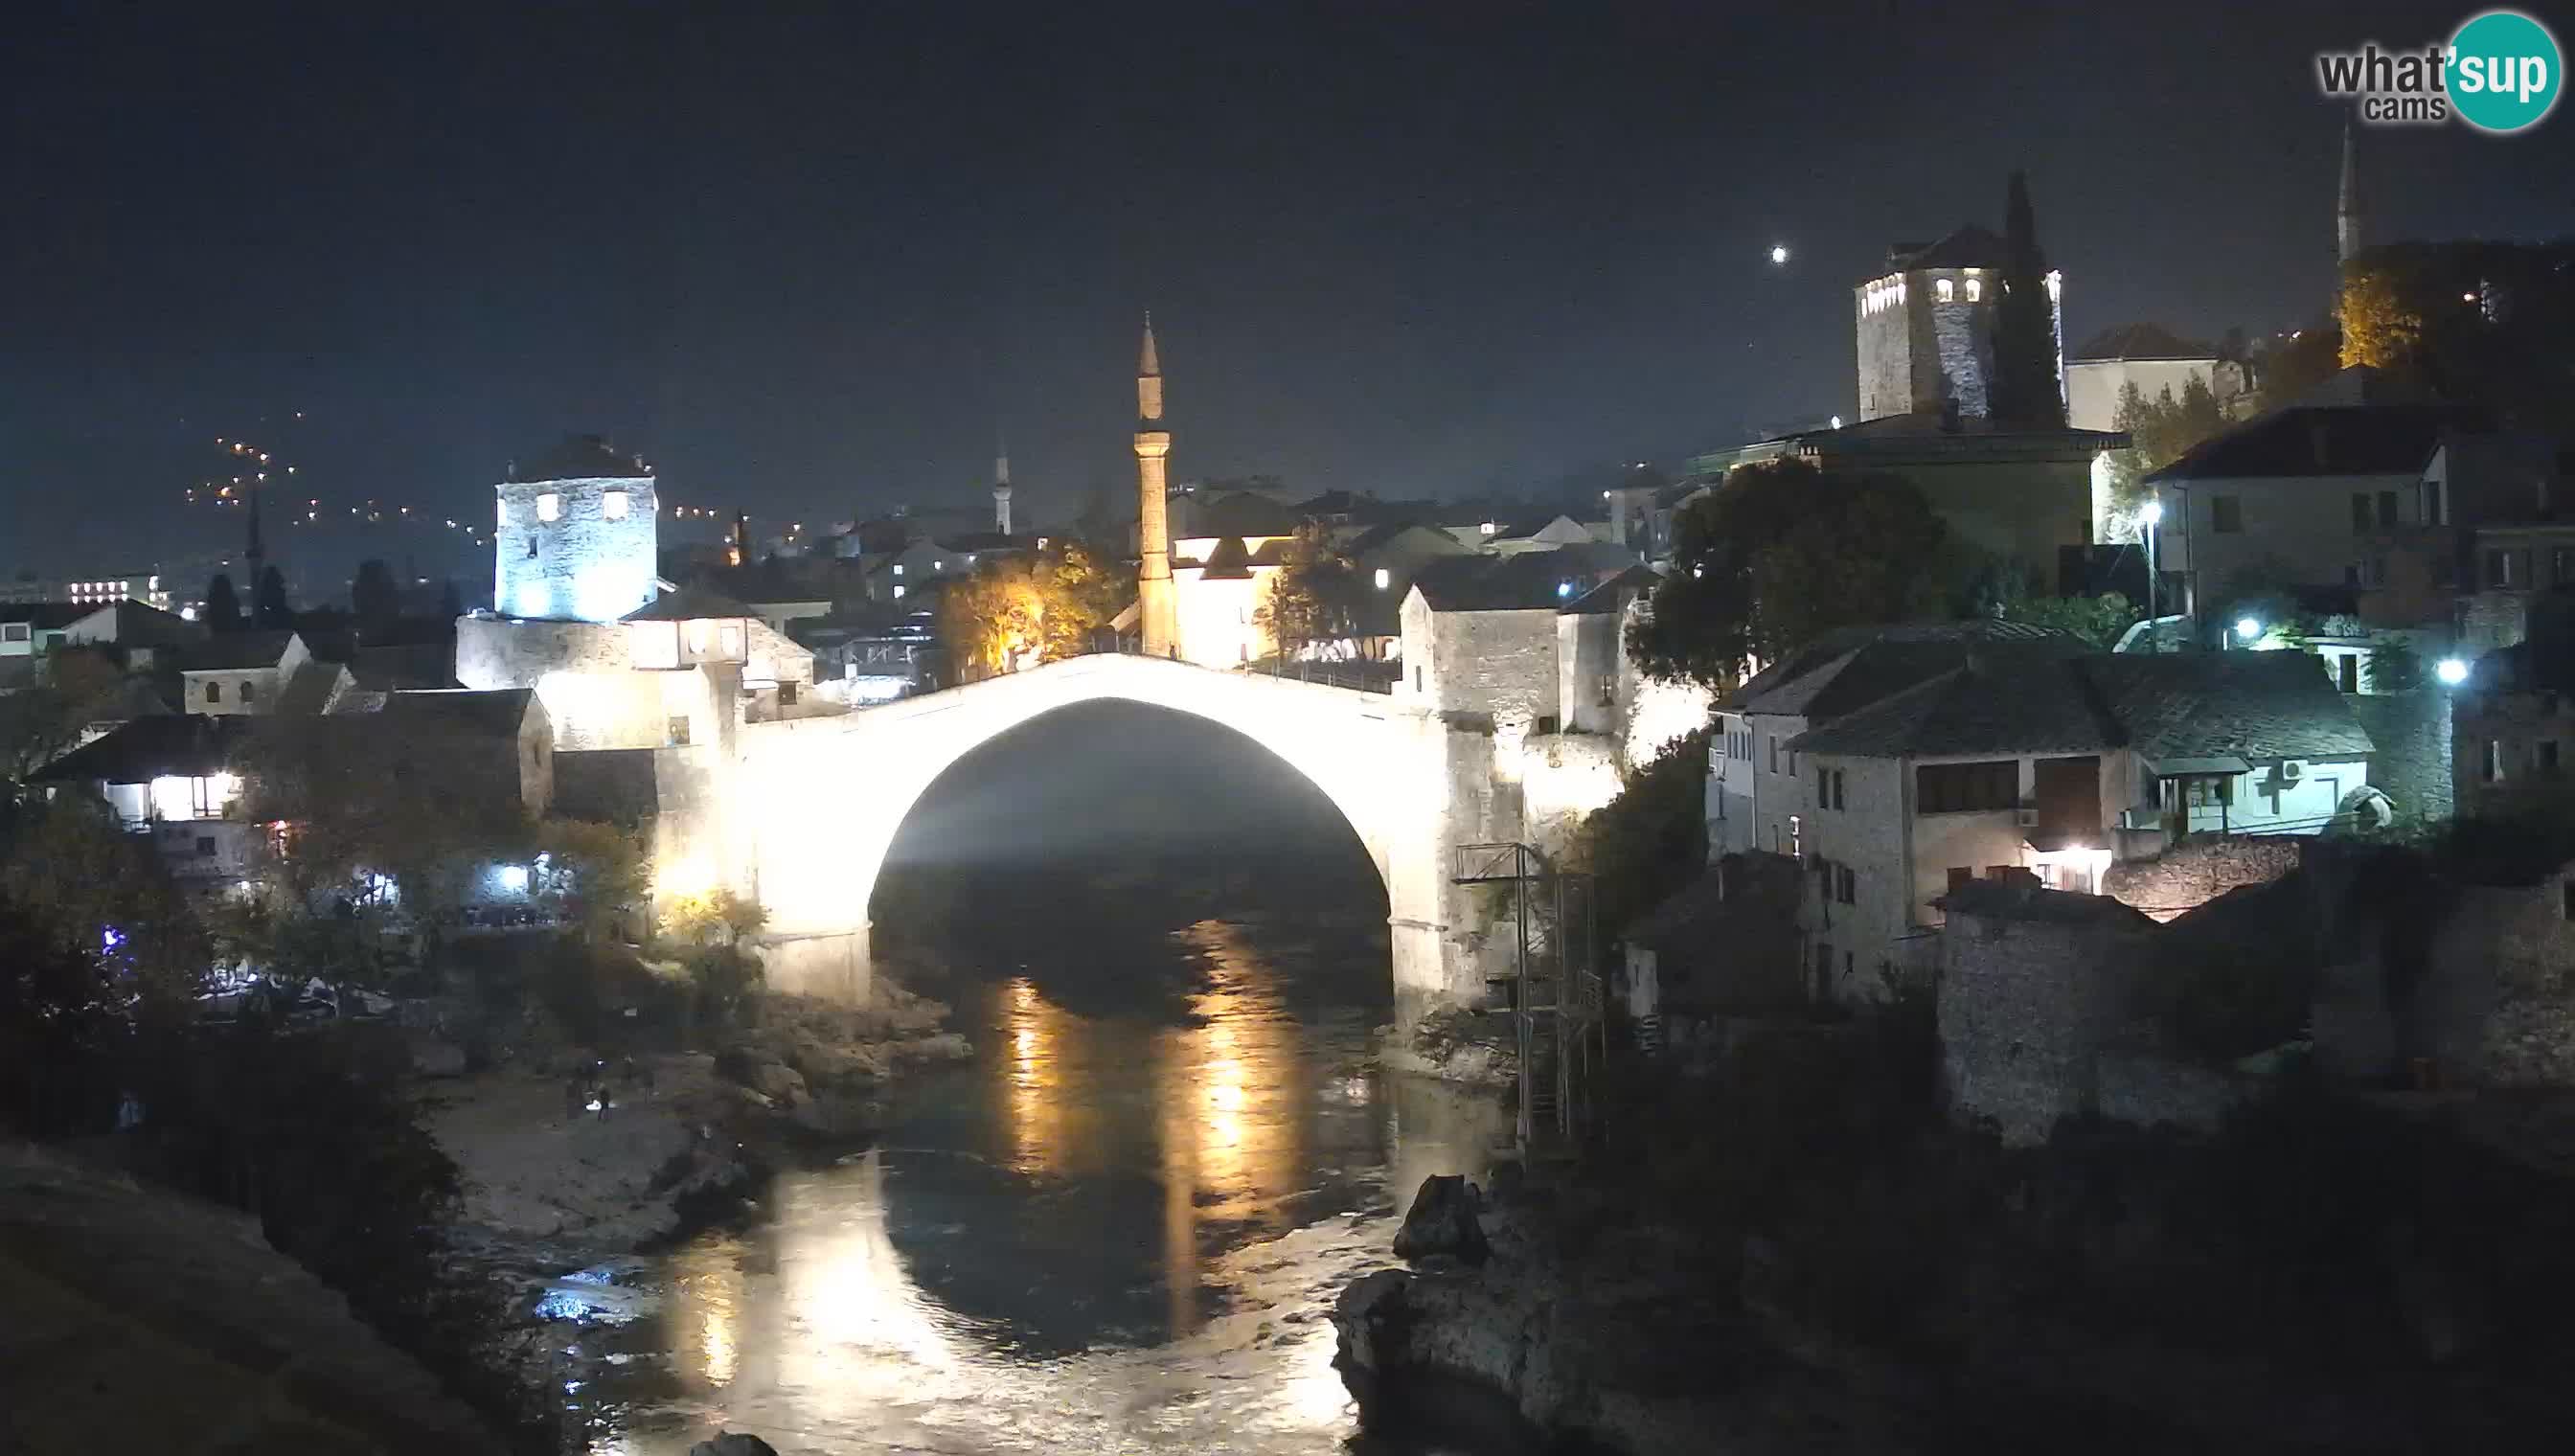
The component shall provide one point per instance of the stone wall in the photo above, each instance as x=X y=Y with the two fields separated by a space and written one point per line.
x=2027 y=1003
x=2193 y=873
x=2498 y=999
x=2511 y=725
x=1962 y=339
x=1885 y=344
x=1499 y=664
x=583 y=563
x=2412 y=760
x=2146 y=1091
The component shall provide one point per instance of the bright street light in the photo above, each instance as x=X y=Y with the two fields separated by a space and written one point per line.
x=2153 y=514
x=2452 y=671
x=2247 y=628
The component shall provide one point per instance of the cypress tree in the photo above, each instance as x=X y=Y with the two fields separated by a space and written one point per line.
x=2025 y=392
x=223 y=604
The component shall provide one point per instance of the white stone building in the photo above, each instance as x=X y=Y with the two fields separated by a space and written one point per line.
x=576 y=535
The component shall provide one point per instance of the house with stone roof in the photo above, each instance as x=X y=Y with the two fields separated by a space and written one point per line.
x=2032 y=767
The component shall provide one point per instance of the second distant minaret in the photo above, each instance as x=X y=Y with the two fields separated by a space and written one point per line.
x=1156 y=610
x=1002 y=489
x=2347 y=212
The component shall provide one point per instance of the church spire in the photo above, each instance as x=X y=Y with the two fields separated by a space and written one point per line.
x=2348 y=211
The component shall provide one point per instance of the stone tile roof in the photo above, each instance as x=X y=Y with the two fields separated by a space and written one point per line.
x=689 y=603
x=227 y=652
x=481 y=713
x=309 y=688
x=181 y=745
x=47 y=616
x=1611 y=597
x=1884 y=659
x=2312 y=440
x=2018 y=899
x=581 y=458
x=2140 y=341
x=1968 y=247
x=2277 y=705
x=2252 y=706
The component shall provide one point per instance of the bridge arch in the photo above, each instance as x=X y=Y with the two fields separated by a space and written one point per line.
x=814 y=804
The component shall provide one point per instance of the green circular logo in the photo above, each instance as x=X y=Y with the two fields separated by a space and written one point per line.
x=2503 y=71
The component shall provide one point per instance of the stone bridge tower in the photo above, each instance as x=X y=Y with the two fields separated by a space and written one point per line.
x=1156 y=610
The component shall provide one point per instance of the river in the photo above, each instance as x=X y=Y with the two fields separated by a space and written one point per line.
x=1118 y=1229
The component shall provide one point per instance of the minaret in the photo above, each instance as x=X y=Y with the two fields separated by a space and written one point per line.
x=1156 y=613
x=1002 y=486
x=2348 y=212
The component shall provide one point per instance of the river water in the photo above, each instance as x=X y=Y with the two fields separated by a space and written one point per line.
x=1118 y=1229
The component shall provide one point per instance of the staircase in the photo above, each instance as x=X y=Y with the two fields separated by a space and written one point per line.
x=1550 y=989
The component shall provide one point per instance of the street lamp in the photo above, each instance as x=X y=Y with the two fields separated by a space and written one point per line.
x=2247 y=628
x=2451 y=670
x=2153 y=516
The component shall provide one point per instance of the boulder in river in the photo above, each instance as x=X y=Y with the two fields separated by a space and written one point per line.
x=733 y=1443
x=1442 y=1222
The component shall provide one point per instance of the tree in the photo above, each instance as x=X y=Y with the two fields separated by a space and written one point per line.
x=598 y=872
x=2026 y=391
x=1315 y=599
x=2100 y=620
x=2394 y=666
x=1780 y=552
x=1018 y=610
x=373 y=598
x=2160 y=431
x=98 y=892
x=2380 y=328
x=42 y=723
x=222 y=605
x=269 y=606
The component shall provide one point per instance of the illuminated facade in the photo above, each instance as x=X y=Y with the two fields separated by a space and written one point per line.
x=576 y=536
x=1925 y=326
x=1156 y=610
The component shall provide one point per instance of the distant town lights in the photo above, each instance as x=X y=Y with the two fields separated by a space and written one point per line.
x=2451 y=670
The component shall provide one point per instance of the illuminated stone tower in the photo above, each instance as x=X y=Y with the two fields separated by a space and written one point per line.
x=576 y=536
x=1002 y=487
x=1156 y=611
x=2347 y=210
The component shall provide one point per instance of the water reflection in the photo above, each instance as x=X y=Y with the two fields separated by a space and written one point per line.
x=1107 y=1234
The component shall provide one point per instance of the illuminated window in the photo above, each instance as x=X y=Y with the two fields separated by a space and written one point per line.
x=1975 y=289
x=938 y=566
x=898 y=591
x=612 y=503
x=505 y=513
x=549 y=506
x=1382 y=578
x=1946 y=288
x=898 y=568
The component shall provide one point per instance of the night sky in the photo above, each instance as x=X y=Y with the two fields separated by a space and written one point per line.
x=810 y=258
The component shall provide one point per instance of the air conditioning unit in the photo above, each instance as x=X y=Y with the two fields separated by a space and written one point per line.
x=2027 y=817
x=2290 y=768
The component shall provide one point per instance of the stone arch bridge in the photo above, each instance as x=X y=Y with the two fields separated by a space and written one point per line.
x=800 y=815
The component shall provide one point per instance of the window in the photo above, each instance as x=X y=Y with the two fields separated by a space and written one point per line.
x=2387 y=509
x=2566 y=898
x=1609 y=690
x=612 y=503
x=674 y=733
x=1384 y=577
x=898 y=568
x=1823 y=788
x=2431 y=502
x=2544 y=756
x=505 y=513
x=898 y=591
x=214 y=692
x=1837 y=789
x=786 y=694
x=1966 y=788
x=1416 y=680
x=1945 y=290
x=1975 y=289
x=1960 y=876
x=1845 y=884
x=2499 y=568
x=2360 y=511
x=2561 y=565
x=1774 y=756
x=2225 y=514
x=205 y=847
x=247 y=693
x=2347 y=671
x=549 y=506
x=13 y=631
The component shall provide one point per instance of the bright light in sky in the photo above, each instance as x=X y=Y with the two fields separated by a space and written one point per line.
x=1778 y=253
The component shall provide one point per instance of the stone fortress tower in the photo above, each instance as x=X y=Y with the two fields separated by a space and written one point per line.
x=1926 y=325
x=1158 y=610
x=577 y=536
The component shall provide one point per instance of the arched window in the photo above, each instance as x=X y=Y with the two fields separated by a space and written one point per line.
x=214 y=692
x=1944 y=288
x=249 y=694
x=1975 y=289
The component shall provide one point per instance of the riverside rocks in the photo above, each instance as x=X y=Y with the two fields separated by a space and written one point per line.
x=733 y=1443
x=1443 y=1222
